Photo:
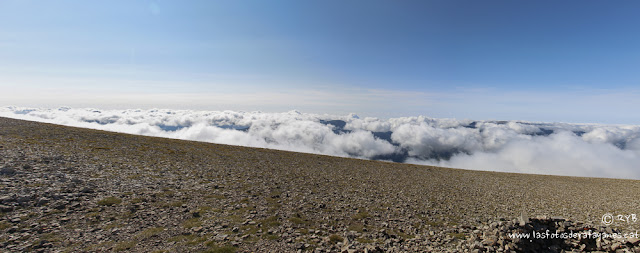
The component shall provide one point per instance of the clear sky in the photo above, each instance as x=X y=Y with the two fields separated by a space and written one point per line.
x=569 y=61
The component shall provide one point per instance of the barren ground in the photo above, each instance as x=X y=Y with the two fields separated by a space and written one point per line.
x=71 y=189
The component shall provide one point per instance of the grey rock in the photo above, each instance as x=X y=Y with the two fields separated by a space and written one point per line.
x=23 y=199
x=87 y=190
x=60 y=205
x=12 y=229
x=7 y=199
x=42 y=201
x=5 y=208
x=523 y=219
x=7 y=171
x=615 y=246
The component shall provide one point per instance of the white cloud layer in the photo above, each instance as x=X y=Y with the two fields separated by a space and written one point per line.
x=510 y=146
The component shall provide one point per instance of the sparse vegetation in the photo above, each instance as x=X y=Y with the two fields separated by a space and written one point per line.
x=361 y=215
x=184 y=238
x=193 y=222
x=126 y=245
x=222 y=249
x=173 y=204
x=460 y=236
x=335 y=238
x=137 y=200
x=150 y=232
x=137 y=196
x=270 y=222
x=216 y=196
x=109 y=201
x=356 y=227
x=272 y=237
x=364 y=240
x=298 y=221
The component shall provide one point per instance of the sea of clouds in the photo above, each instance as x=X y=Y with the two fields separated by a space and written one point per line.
x=513 y=146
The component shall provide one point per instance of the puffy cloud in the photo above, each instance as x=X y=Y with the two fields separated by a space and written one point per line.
x=512 y=146
x=425 y=141
x=561 y=153
x=619 y=136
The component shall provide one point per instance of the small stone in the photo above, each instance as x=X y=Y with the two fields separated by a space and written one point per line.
x=523 y=219
x=86 y=190
x=615 y=246
x=76 y=205
x=60 y=205
x=6 y=171
x=24 y=198
x=491 y=241
x=6 y=209
x=6 y=199
x=42 y=201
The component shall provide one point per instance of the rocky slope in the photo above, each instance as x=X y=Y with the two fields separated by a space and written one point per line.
x=66 y=189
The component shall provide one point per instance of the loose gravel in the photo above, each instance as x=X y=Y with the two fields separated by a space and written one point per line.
x=65 y=189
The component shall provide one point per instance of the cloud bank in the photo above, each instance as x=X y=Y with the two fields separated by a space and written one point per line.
x=510 y=146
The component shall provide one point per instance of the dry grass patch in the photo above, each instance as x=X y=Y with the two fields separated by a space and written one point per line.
x=109 y=201
x=122 y=246
x=150 y=232
x=335 y=238
x=361 y=215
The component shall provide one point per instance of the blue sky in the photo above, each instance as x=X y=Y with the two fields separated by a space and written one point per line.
x=569 y=61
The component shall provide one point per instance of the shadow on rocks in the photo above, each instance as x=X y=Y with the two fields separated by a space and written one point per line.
x=554 y=235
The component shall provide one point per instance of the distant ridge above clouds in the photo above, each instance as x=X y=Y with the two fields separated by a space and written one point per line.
x=511 y=146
